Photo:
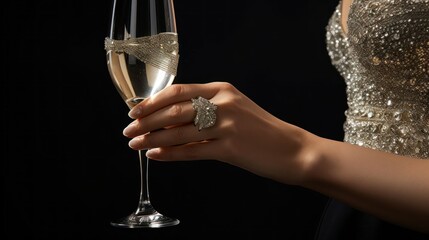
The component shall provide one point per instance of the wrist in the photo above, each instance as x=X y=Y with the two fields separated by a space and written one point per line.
x=311 y=159
x=301 y=156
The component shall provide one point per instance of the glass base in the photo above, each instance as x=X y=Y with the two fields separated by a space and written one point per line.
x=153 y=220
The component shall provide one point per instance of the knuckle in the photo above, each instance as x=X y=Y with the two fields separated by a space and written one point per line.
x=230 y=128
x=177 y=89
x=175 y=111
x=227 y=86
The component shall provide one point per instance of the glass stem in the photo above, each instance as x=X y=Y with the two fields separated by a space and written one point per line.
x=144 y=207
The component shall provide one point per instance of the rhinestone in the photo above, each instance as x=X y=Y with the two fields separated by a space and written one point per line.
x=384 y=62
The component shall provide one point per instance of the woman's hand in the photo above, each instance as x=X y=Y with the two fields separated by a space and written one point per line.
x=392 y=187
x=244 y=134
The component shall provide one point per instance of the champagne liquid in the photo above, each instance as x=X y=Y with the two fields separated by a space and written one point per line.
x=134 y=79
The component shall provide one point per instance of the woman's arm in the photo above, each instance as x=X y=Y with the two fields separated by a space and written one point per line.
x=394 y=188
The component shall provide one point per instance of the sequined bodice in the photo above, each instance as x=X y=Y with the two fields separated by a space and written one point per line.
x=384 y=59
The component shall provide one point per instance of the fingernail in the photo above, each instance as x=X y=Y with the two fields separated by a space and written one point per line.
x=152 y=152
x=135 y=112
x=134 y=143
x=129 y=129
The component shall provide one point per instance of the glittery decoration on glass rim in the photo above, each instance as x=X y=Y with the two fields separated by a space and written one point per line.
x=161 y=50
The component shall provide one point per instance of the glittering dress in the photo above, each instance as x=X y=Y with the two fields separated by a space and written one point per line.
x=384 y=59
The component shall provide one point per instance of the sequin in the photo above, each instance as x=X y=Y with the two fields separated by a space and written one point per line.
x=384 y=59
x=159 y=50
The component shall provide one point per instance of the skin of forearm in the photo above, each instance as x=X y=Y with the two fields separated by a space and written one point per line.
x=392 y=187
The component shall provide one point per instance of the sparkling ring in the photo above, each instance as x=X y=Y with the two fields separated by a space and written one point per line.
x=205 y=113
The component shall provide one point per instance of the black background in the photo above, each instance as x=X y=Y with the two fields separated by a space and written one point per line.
x=67 y=168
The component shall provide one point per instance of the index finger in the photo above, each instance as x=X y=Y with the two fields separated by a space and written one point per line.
x=170 y=95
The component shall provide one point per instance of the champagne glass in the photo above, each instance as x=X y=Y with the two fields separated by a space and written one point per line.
x=142 y=58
